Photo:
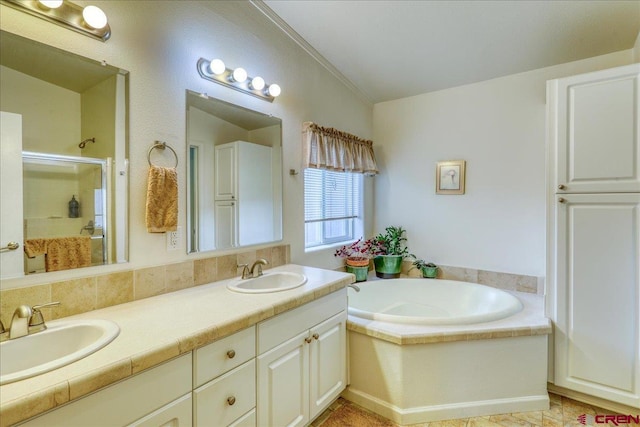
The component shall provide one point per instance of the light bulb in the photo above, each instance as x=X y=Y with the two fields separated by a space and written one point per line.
x=94 y=17
x=239 y=75
x=51 y=4
x=217 y=66
x=257 y=83
x=274 y=90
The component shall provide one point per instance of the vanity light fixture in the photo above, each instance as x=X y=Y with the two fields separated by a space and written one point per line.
x=90 y=20
x=216 y=71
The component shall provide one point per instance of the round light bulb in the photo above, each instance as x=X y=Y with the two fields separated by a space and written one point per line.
x=51 y=4
x=274 y=90
x=239 y=75
x=257 y=83
x=94 y=17
x=217 y=66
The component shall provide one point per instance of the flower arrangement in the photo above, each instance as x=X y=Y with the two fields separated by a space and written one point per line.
x=358 y=252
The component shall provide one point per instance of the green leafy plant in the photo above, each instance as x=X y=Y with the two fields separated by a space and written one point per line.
x=391 y=242
x=420 y=264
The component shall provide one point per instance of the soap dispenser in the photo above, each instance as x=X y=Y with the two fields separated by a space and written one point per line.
x=74 y=207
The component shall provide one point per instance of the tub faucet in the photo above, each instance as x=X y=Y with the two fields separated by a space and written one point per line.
x=259 y=263
x=20 y=322
x=357 y=288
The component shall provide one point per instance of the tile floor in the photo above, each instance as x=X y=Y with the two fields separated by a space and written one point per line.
x=563 y=412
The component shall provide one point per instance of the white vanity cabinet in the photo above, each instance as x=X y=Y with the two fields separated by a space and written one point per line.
x=224 y=374
x=157 y=397
x=302 y=361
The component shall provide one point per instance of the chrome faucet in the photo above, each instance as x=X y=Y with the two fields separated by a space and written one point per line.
x=259 y=263
x=27 y=320
x=351 y=285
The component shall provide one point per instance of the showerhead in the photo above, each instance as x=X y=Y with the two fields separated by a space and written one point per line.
x=83 y=143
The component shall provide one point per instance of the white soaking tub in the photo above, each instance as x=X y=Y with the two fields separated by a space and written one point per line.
x=434 y=302
x=427 y=350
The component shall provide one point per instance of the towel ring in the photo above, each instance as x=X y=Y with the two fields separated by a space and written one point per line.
x=161 y=146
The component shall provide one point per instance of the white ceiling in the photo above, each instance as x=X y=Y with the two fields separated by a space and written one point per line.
x=393 y=49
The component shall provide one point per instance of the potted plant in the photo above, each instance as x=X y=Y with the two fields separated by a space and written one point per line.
x=429 y=269
x=357 y=257
x=389 y=249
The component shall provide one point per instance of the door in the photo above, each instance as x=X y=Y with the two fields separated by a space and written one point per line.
x=225 y=224
x=225 y=172
x=283 y=384
x=594 y=131
x=598 y=295
x=328 y=362
x=11 y=226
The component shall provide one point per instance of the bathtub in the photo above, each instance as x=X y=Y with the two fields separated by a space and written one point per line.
x=428 y=350
x=437 y=302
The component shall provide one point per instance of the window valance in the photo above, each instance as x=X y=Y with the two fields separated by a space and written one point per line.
x=334 y=150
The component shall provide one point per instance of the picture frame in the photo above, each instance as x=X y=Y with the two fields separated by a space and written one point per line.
x=450 y=177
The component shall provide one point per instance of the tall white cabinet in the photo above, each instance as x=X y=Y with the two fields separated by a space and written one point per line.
x=593 y=245
x=244 y=196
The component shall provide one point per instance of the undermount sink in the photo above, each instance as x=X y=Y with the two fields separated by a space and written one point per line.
x=62 y=343
x=268 y=282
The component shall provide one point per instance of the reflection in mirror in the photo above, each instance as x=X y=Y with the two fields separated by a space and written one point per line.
x=235 y=175
x=70 y=137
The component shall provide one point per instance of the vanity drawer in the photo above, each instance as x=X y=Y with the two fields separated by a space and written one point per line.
x=223 y=355
x=225 y=399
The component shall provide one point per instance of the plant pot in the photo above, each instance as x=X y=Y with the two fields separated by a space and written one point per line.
x=388 y=266
x=430 y=272
x=360 y=272
x=358 y=262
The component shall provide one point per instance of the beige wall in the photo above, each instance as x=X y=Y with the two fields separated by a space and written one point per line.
x=636 y=50
x=159 y=43
x=98 y=117
x=498 y=127
x=50 y=114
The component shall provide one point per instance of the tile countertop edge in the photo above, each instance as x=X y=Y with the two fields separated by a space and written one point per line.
x=55 y=389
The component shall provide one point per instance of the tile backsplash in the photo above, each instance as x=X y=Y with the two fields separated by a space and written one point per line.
x=94 y=292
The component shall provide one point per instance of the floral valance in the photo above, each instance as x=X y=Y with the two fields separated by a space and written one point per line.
x=331 y=149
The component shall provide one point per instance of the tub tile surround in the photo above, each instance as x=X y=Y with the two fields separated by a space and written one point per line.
x=495 y=279
x=153 y=331
x=94 y=292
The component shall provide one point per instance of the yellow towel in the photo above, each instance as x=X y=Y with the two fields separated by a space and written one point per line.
x=162 y=200
x=64 y=253
x=35 y=247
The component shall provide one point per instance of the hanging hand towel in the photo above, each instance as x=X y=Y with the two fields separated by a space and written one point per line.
x=162 y=200
x=64 y=253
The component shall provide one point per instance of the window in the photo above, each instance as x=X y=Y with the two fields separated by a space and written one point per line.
x=332 y=206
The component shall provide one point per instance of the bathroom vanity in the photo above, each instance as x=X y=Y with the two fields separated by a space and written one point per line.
x=202 y=356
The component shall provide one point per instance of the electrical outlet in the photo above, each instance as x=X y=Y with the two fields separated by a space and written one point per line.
x=173 y=239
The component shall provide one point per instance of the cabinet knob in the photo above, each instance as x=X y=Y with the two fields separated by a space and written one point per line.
x=561 y=200
x=561 y=187
x=231 y=400
x=307 y=340
x=231 y=354
x=315 y=336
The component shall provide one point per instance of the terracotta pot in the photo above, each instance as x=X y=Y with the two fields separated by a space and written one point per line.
x=358 y=262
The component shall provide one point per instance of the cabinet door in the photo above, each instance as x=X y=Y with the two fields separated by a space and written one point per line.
x=225 y=223
x=593 y=130
x=225 y=172
x=328 y=362
x=175 y=414
x=283 y=384
x=598 y=295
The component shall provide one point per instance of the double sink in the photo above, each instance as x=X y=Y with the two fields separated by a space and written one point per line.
x=66 y=341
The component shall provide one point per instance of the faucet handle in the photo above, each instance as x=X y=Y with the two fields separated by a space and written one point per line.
x=36 y=323
x=245 y=271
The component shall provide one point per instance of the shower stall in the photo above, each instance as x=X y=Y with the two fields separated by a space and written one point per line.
x=66 y=199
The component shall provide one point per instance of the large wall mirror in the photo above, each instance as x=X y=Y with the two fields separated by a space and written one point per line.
x=63 y=159
x=234 y=175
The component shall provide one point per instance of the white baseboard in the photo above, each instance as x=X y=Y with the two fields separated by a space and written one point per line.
x=592 y=400
x=423 y=414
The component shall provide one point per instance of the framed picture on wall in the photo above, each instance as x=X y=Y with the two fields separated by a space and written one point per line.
x=450 y=177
